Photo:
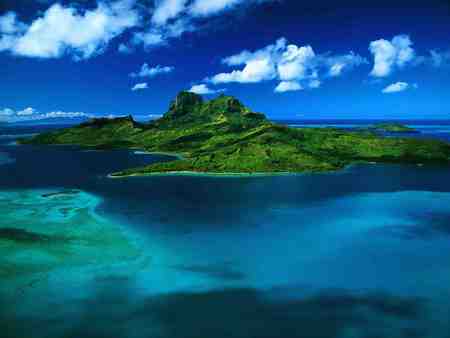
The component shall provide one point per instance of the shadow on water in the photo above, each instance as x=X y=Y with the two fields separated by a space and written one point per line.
x=425 y=226
x=241 y=313
x=224 y=271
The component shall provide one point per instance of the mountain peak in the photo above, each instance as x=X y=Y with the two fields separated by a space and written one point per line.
x=102 y=121
x=184 y=103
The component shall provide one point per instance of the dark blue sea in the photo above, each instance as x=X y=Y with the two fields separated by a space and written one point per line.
x=360 y=253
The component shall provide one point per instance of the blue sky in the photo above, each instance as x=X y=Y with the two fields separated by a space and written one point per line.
x=288 y=59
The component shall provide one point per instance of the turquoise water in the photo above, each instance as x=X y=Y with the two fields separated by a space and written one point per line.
x=358 y=253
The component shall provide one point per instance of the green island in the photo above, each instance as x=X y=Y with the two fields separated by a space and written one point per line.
x=393 y=128
x=222 y=136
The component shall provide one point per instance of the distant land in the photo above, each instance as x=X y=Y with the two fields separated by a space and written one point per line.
x=222 y=136
x=393 y=128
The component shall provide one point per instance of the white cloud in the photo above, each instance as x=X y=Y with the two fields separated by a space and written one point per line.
x=166 y=10
x=203 y=89
x=10 y=28
x=314 y=84
x=30 y=114
x=254 y=71
x=26 y=112
x=147 y=71
x=6 y=112
x=65 y=30
x=124 y=49
x=336 y=69
x=210 y=7
x=148 y=39
x=172 y=18
x=341 y=63
x=139 y=86
x=271 y=51
x=288 y=86
x=297 y=63
x=204 y=8
x=70 y=30
x=295 y=67
x=7 y=42
x=396 y=87
x=389 y=55
x=10 y=25
x=159 y=35
x=62 y=114
x=259 y=65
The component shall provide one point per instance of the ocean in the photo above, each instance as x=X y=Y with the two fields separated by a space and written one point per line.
x=362 y=252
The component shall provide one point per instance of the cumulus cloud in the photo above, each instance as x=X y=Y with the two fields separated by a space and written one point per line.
x=30 y=114
x=65 y=30
x=396 y=87
x=254 y=71
x=297 y=63
x=203 y=89
x=166 y=10
x=139 y=86
x=288 y=86
x=259 y=65
x=147 y=71
x=390 y=55
x=296 y=67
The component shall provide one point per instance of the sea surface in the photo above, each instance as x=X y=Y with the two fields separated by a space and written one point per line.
x=360 y=253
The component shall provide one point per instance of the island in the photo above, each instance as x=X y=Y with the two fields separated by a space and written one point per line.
x=223 y=137
x=393 y=128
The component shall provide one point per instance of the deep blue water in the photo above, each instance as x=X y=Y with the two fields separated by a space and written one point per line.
x=359 y=253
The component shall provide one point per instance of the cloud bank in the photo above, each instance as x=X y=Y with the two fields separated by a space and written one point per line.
x=29 y=114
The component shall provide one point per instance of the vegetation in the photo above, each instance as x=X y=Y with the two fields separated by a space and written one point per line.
x=393 y=128
x=223 y=136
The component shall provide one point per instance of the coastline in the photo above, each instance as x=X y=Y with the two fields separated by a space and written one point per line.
x=208 y=174
x=175 y=155
x=257 y=174
x=226 y=174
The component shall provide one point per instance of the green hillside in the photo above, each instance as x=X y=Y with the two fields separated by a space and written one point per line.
x=224 y=136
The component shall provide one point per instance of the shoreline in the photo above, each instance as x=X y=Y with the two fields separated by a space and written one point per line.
x=256 y=174
x=143 y=152
x=227 y=174
x=206 y=174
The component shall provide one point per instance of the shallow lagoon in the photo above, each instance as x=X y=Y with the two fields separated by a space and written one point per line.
x=358 y=253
